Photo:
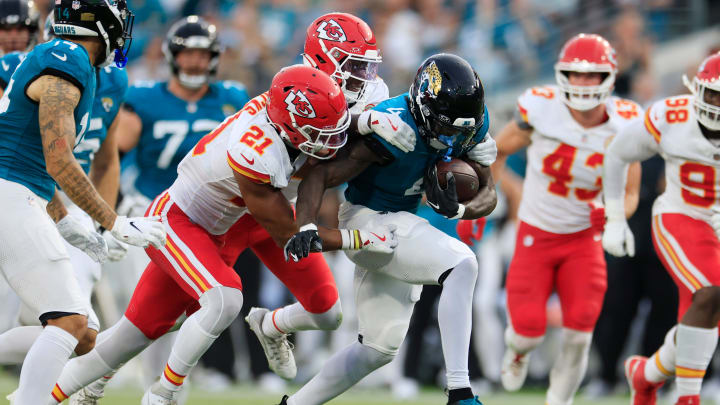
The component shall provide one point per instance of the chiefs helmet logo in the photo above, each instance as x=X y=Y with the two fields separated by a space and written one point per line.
x=431 y=80
x=298 y=104
x=331 y=31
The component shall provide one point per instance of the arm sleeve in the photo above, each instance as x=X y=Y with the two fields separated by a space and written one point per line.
x=633 y=143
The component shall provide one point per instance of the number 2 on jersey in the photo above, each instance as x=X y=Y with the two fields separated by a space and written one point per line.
x=558 y=165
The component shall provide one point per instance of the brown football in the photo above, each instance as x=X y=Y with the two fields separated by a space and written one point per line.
x=466 y=179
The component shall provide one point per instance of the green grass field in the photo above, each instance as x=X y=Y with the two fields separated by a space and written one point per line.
x=247 y=395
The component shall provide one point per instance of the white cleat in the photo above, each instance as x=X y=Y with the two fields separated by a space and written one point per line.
x=277 y=350
x=514 y=370
x=11 y=397
x=153 y=397
x=85 y=397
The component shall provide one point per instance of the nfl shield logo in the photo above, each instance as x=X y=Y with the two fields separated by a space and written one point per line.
x=76 y=4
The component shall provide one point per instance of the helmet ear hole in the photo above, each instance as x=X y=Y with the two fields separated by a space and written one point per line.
x=288 y=128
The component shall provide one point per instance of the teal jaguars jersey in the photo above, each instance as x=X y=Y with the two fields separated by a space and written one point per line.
x=398 y=186
x=112 y=84
x=21 y=152
x=171 y=127
x=8 y=63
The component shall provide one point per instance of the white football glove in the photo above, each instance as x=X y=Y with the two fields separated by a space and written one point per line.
x=139 y=231
x=89 y=241
x=116 y=249
x=715 y=220
x=381 y=239
x=617 y=239
x=485 y=152
x=389 y=127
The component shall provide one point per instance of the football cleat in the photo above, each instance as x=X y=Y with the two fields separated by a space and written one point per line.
x=469 y=401
x=153 y=397
x=85 y=397
x=642 y=391
x=278 y=351
x=514 y=370
x=284 y=399
x=688 y=400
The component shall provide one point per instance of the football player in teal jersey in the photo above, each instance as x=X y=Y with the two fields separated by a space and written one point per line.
x=446 y=107
x=44 y=112
x=97 y=154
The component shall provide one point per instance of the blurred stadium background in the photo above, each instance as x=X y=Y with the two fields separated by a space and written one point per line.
x=513 y=44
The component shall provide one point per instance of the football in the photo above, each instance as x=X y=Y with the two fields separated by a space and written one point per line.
x=466 y=179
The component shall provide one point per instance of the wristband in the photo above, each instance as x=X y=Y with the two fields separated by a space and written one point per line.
x=308 y=227
x=350 y=239
x=362 y=123
x=460 y=213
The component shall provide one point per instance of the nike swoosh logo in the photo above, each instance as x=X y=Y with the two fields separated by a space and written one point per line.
x=5 y=66
x=393 y=126
x=248 y=160
x=133 y=225
x=378 y=236
x=437 y=207
x=62 y=58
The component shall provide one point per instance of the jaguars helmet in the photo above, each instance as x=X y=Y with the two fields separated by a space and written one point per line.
x=20 y=13
x=192 y=32
x=111 y=21
x=447 y=101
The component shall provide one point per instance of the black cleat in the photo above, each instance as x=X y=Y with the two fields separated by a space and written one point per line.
x=284 y=399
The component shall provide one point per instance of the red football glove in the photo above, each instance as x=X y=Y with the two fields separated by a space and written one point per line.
x=467 y=232
x=597 y=217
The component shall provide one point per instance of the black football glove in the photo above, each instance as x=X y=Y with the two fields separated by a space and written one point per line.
x=444 y=202
x=302 y=243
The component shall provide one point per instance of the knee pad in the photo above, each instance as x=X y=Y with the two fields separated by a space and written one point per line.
x=376 y=358
x=219 y=308
x=322 y=299
x=519 y=343
x=330 y=319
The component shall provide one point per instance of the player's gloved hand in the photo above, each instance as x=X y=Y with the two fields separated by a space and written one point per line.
x=597 y=216
x=389 y=127
x=139 y=231
x=715 y=220
x=381 y=239
x=485 y=152
x=443 y=201
x=116 y=249
x=302 y=243
x=617 y=239
x=471 y=229
x=89 y=241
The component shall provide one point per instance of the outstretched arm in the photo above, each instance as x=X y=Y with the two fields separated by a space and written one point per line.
x=57 y=99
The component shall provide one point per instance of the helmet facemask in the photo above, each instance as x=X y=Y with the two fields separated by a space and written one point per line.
x=708 y=114
x=321 y=143
x=584 y=98
x=178 y=43
x=354 y=73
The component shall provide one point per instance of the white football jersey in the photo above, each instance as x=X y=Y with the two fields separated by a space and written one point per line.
x=692 y=163
x=564 y=168
x=377 y=92
x=245 y=143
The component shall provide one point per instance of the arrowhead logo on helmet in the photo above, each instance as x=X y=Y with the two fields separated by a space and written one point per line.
x=298 y=104
x=332 y=31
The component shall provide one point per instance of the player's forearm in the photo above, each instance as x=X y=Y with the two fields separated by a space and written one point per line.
x=628 y=146
x=332 y=238
x=77 y=186
x=632 y=189
x=56 y=209
x=310 y=194
x=482 y=204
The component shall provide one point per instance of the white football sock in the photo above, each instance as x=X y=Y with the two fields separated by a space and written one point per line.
x=43 y=364
x=661 y=365
x=343 y=370
x=455 y=320
x=695 y=348
x=117 y=345
x=219 y=307
x=16 y=342
x=294 y=317
x=569 y=368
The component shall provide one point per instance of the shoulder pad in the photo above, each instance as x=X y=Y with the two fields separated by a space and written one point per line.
x=534 y=101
